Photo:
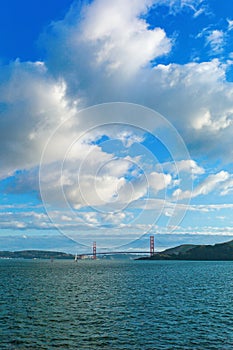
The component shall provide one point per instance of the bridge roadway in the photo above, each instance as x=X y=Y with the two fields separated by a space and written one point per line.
x=117 y=252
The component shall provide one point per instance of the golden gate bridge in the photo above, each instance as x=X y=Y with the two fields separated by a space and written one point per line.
x=95 y=253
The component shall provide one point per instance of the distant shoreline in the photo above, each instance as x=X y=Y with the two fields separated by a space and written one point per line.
x=35 y=254
x=216 y=252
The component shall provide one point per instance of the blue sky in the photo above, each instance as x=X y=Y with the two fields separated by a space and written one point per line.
x=154 y=154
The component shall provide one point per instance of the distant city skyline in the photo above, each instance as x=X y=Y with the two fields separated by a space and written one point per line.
x=116 y=122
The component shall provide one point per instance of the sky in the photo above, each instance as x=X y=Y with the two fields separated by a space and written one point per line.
x=116 y=123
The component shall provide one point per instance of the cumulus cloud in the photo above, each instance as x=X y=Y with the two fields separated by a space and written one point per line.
x=189 y=165
x=93 y=60
x=199 y=103
x=105 y=53
x=98 y=65
x=100 y=181
x=32 y=104
x=113 y=34
x=209 y=184
x=121 y=33
x=159 y=181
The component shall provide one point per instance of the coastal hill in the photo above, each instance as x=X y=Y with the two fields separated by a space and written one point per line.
x=34 y=254
x=220 y=251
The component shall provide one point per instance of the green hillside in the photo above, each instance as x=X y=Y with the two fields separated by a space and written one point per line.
x=221 y=251
x=35 y=254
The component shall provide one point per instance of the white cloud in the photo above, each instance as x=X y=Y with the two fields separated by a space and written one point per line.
x=101 y=67
x=91 y=177
x=123 y=222
x=159 y=181
x=33 y=105
x=215 y=39
x=198 y=101
x=116 y=34
x=24 y=220
x=128 y=138
x=197 y=7
x=189 y=166
x=105 y=56
x=195 y=97
x=230 y=24
x=209 y=184
x=227 y=187
x=116 y=218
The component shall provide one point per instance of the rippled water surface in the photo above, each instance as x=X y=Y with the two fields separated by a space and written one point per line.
x=116 y=305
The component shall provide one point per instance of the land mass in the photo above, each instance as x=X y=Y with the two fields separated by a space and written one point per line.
x=52 y=255
x=220 y=251
x=35 y=254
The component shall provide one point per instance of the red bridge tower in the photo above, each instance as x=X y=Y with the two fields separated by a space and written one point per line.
x=152 y=245
x=94 y=250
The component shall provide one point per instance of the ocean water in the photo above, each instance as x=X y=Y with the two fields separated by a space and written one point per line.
x=116 y=305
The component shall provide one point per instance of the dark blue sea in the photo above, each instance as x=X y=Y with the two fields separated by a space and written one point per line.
x=102 y=304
